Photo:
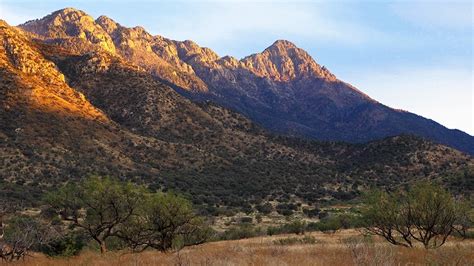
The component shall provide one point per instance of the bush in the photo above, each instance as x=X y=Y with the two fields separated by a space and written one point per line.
x=296 y=240
x=23 y=234
x=66 y=246
x=311 y=212
x=266 y=208
x=295 y=227
x=99 y=206
x=241 y=232
x=246 y=220
x=330 y=224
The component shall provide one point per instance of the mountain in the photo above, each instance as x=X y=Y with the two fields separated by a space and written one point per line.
x=283 y=88
x=67 y=112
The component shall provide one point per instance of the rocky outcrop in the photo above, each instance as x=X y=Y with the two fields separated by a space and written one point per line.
x=283 y=61
x=68 y=23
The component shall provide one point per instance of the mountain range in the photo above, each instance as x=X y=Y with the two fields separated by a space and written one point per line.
x=282 y=88
x=80 y=96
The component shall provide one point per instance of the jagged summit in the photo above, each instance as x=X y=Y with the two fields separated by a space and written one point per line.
x=59 y=17
x=283 y=44
x=69 y=10
x=108 y=24
x=71 y=23
x=284 y=61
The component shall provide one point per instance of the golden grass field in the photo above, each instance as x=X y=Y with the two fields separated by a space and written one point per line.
x=346 y=247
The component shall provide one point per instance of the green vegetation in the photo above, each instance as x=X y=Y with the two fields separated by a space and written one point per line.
x=23 y=234
x=162 y=222
x=296 y=240
x=99 y=206
x=425 y=213
x=110 y=213
x=240 y=232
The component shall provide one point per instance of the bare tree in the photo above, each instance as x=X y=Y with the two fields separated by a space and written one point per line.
x=21 y=235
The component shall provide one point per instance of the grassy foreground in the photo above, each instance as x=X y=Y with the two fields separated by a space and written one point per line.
x=346 y=247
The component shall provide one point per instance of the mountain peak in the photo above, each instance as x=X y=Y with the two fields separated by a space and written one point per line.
x=282 y=44
x=284 y=61
x=69 y=10
x=71 y=23
x=108 y=24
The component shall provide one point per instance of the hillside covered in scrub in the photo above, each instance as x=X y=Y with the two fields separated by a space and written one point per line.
x=67 y=114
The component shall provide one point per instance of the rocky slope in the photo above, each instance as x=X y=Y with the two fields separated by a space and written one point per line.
x=67 y=113
x=282 y=88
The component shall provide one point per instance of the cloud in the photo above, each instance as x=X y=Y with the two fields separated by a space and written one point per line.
x=435 y=14
x=442 y=94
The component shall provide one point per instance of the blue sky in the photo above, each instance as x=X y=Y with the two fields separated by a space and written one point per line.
x=415 y=56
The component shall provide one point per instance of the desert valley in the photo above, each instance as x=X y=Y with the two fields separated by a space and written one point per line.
x=161 y=152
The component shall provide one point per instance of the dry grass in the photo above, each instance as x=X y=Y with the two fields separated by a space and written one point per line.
x=342 y=248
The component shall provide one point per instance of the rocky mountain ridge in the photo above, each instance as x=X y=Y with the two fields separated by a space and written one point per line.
x=282 y=88
x=67 y=114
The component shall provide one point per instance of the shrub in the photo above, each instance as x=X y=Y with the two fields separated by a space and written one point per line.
x=246 y=220
x=164 y=221
x=266 y=208
x=23 y=234
x=295 y=227
x=296 y=240
x=243 y=231
x=330 y=224
x=68 y=245
x=311 y=212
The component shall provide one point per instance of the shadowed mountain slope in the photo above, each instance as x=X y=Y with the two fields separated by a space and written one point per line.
x=68 y=113
x=281 y=88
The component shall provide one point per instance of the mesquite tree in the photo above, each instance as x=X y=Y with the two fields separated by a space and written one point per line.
x=105 y=208
x=425 y=213
x=100 y=206
x=165 y=221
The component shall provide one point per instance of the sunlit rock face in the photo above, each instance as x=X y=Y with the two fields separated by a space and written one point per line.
x=282 y=88
x=68 y=23
x=283 y=61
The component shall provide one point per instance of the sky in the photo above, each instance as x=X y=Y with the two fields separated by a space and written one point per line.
x=410 y=55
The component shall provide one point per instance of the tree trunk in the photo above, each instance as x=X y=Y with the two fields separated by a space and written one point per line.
x=103 y=247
